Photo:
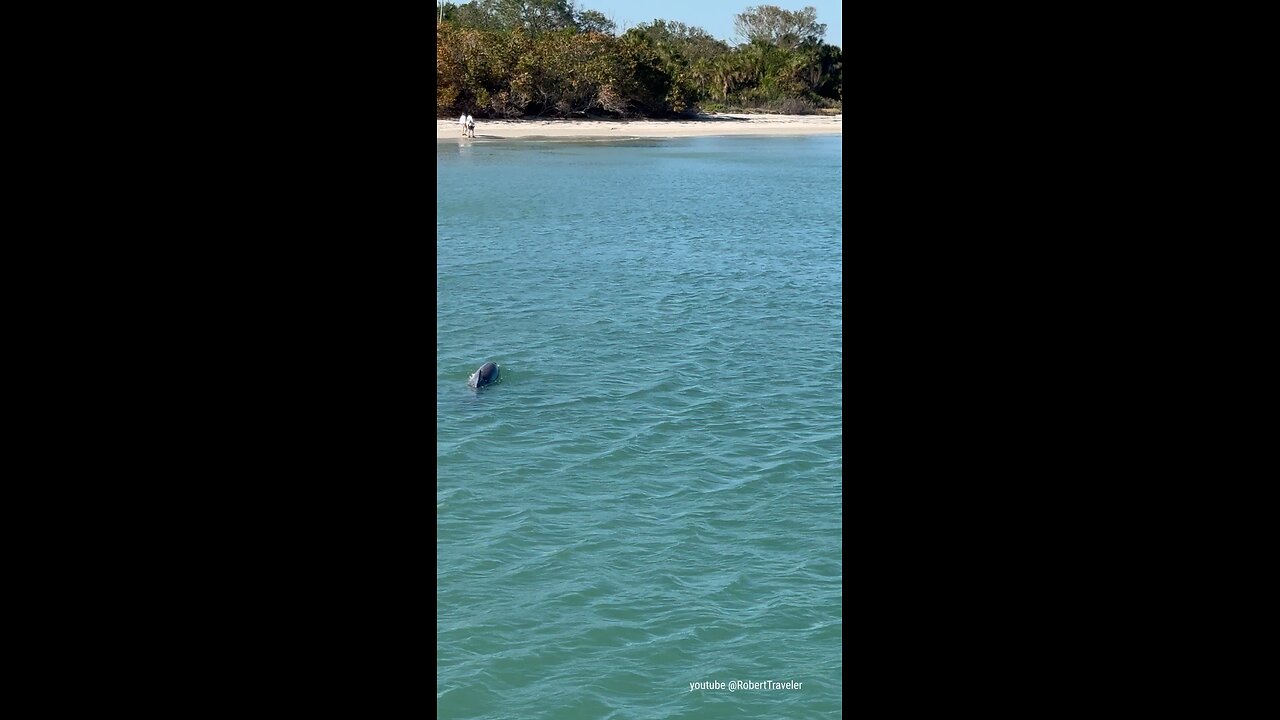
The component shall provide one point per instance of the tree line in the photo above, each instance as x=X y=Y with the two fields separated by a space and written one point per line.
x=515 y=58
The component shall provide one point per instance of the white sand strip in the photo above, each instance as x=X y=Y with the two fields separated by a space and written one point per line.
x=720 y=124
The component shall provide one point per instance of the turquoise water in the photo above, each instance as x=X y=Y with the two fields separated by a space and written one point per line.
x=651 y=495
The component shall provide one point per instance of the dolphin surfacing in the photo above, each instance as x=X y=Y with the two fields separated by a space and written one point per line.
x=486 y=375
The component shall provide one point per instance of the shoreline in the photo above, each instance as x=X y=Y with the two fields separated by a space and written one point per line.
x=703 y=126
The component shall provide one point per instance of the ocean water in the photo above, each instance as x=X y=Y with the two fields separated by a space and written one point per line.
x=651 y=495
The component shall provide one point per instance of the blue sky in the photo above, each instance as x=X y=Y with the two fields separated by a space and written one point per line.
x=714 y=16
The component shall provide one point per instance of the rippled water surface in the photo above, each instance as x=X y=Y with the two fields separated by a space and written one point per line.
x=651 y=495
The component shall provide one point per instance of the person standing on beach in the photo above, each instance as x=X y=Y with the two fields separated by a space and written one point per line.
x=462 y=123
x=471 y=126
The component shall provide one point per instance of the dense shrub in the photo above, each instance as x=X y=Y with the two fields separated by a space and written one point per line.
x=558 y=62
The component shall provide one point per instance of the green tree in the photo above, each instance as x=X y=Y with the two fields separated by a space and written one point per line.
x=831 y=79
x=643 y=81
x=595 y=21
x=685 y=42
x=471 y=15
x=535 y=16
x=686 y=54
x=783 y=28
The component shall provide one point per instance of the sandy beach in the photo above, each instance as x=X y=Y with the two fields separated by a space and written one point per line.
x=719 y=124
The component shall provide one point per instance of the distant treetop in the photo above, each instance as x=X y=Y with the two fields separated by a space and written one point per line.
x=775 y=26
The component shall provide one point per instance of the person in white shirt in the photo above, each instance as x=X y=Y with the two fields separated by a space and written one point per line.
x=471 y=126
x=462 y=123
